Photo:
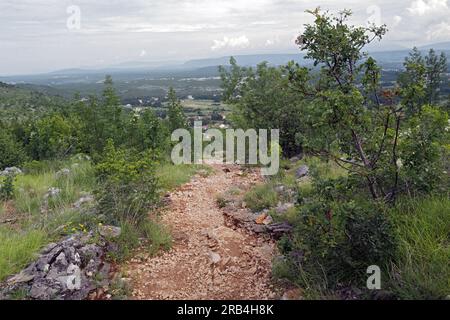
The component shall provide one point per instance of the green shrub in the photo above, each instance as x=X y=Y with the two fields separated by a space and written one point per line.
x=157 y=236
x=69 y=221
x=221 y=201
x=50 y=137
x=261 y=197
x=126 y=243
x=11 y=151
x=334 y=243
x=424 y=152
x=128 y=190
x=128 y=186
x=32 y=186
x=40 y=167
x=7 y=187
x=17 y=249
x=369 y=238
x=421 y=270
x=171 y=176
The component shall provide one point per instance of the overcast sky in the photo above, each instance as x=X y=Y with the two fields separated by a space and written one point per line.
x=45 y=35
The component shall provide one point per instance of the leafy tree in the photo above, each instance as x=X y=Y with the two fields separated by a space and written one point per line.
x=413 y=82
x=386 y=146
x=50 y=137
x=264 y=99
x=128 y=185
x=100 y=119
x=109 y=95
x=146 y=131
x=90 y=129
x=336 y=45
x=111 y=112
x=11 y=151
x=356 y=123
x=424 y=151
x=7 y=187
x=421 y=81
x=436 y=66
x=175 y=114
x=341 y=124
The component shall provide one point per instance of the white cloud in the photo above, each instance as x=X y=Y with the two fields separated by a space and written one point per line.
x=273 y=41
x=397 y=20
x=143 y=53
x=35 y=38
x=423 y=7
x=263 y=23
x=439 y=32
x=237 y=42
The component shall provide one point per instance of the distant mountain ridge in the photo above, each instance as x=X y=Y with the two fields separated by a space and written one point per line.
x=387 y=59
x=246 y=60
x=383 y=57
x=441 y=46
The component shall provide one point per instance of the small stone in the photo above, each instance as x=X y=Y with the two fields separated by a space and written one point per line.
x=260 y=219
x=301 y=172
x=283 y=208
x=280 y=188
x=214 y=257
x=52 y=192
x=10 y=171
x=63 y=173
x=268 y=220
x=109 y=231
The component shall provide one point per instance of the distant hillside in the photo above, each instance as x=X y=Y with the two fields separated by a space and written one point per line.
x=387 y=59
x=247 y=60
x=199 y=77
x=143 y=69
x=442 y=46
x=28 y=96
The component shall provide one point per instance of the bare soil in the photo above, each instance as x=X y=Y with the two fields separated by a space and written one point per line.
x=210 y=259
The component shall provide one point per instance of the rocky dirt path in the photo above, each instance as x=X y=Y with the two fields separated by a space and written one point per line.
x=208 y=260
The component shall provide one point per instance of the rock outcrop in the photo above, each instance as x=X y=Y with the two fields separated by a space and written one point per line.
x=10 y=171
x=302 y=172
x=68 y=270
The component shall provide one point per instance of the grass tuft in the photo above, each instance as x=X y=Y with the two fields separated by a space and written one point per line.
x=171 y=176
x=422 y=269
x=17 y=249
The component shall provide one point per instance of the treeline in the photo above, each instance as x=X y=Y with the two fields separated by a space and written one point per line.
x=126 y=149
x=84 y=126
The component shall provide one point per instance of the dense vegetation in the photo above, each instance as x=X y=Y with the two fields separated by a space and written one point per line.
x=390 y=153
x=379 y=161
x=84 y=163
